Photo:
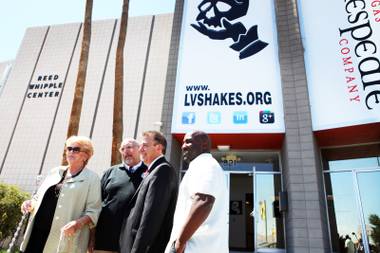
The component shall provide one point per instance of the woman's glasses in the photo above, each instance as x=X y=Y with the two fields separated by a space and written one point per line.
x=73 y=149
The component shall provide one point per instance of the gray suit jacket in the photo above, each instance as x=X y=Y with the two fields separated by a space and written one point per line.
x=148 y=226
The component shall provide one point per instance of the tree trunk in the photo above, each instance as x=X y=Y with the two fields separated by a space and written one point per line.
x=117 y=126
x=76 y=107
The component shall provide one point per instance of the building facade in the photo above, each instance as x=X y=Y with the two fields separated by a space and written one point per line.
x=5 y=69
x=290 y=98
x=40 y=88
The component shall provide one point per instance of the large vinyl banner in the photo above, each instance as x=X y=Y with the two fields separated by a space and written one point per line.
x=228 y=78
x=342 y=52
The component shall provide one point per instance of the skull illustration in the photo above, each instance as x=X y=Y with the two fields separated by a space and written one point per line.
x=217 y=20
x=211 y=12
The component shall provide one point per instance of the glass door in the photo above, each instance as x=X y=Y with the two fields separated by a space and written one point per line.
x=352 y=194
x=268 y=218
x=241 y=223
x=344 y=218
x=254 y=180
x=369 y=195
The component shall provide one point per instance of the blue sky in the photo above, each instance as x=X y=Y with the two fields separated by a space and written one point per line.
x=17 y=15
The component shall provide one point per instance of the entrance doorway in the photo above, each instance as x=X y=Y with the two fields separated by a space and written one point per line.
x=254 y=180
x=352 y=194
x=241 y=224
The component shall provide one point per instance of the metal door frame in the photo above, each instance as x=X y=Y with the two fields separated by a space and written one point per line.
x=254 y=173
x=358 y=198
x=357 y=195
x=228 y=177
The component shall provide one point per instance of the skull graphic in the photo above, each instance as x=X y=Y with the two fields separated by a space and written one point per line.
x=211 y=12
x=215 y=16
x=217 y=20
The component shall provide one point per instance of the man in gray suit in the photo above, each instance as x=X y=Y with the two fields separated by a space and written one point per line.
x=148 y=227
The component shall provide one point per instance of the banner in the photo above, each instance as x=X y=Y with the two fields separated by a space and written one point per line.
x=228 y=77
x=342 y=52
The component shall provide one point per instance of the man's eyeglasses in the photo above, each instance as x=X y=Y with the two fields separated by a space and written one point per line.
x=73 y=149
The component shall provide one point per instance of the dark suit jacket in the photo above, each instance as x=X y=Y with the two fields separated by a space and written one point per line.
x=118 y=187
x=148 y=227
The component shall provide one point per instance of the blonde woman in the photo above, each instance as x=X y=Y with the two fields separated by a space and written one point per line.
x=66 y=206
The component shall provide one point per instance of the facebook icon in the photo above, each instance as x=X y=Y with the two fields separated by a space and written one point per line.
x=240 y=118
x=188 y=118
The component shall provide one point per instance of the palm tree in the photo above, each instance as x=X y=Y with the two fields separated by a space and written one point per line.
x=374 y=220
x=117 y=126
x=76 y=107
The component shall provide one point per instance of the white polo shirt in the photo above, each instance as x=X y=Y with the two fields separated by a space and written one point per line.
x=203 y=176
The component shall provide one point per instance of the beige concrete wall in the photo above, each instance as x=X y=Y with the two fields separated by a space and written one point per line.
x=5 y=69
x=134 y=68
x=13 y=98
x=154 y=87
x=100 y=40
x=36 y=118
x=34 y=129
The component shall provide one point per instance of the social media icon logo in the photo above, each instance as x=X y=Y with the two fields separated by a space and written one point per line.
x=214 y=118
x=240 y=117
x=266 y=117
x=188 y=118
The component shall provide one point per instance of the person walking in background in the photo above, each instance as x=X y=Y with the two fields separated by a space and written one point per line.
x=66 y=205
x=119 y=183
x=360 y=246
x=349 y=245
x=201 y=215
x=147 y=229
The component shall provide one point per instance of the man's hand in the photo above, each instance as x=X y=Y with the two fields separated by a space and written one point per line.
x=179 y=247
x=91 y=241
x=70 y=228
x=199 y=211
x=27 y=206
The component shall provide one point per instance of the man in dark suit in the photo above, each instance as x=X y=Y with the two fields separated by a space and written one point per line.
x=119 y=184
x=150 y=221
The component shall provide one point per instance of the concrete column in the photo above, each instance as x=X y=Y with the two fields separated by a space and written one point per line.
x=306 y=229
x=173 y=150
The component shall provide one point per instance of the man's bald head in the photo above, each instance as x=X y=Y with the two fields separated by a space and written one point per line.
x=194 y=144
x=203 y=139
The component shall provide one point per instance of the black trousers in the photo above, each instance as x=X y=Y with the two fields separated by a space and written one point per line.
x=37 y=241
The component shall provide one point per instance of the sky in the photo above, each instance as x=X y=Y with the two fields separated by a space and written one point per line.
x=17 y=15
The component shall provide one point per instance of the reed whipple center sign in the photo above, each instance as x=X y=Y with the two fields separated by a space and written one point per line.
x=46 y=86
